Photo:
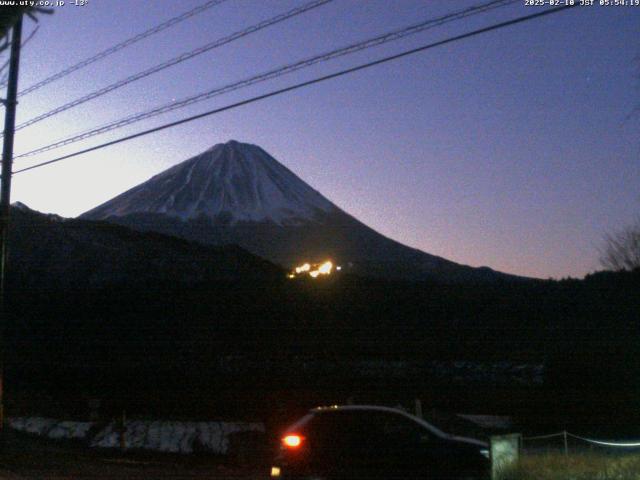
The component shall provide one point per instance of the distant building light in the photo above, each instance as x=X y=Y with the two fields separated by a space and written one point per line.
x=314 y=270
x=303 y=268
x=325 y=268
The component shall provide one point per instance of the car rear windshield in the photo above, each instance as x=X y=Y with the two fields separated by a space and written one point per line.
x=363 y=425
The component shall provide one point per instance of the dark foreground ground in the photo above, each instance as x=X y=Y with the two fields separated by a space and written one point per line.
x=30 y=458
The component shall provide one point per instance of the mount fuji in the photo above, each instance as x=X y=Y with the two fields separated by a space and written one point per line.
x=236 y=193
x=230 y=183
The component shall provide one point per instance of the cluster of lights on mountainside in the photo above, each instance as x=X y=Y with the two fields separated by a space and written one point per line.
x=314 y=270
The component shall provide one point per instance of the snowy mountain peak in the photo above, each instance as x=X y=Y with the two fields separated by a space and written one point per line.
x=230 y=183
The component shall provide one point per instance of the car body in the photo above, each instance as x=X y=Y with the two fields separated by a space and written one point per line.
x=364 y=441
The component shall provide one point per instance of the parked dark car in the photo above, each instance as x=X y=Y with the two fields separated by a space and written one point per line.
x=362 y=442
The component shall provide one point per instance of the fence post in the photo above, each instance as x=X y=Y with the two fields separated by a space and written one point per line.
x=504 y=453
x=418 y=408
x=123 y=431
x=566 y=444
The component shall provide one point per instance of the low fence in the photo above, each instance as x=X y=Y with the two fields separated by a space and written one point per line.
x=568 y=442
x=514 y=450
x=154 y=435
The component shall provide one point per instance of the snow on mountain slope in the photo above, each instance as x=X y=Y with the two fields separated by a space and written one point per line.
x=230 y=183
x=236 y=193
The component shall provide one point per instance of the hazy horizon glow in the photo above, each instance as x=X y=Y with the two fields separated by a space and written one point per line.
x=517 y=149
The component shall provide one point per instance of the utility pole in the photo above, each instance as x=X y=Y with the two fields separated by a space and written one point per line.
x=5 y=189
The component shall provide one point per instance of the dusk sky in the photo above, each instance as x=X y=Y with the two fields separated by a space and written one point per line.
x=516 y=149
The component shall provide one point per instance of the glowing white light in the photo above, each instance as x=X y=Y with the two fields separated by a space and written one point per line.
x=303 y=268
x=313 y=269
x=325 y=268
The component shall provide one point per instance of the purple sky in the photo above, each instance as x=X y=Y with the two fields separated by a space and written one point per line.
x=513 y=149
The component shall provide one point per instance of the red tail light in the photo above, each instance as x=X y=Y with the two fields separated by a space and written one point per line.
x=292 y=441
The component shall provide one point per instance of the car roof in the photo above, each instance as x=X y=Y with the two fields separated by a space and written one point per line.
x=379 y=408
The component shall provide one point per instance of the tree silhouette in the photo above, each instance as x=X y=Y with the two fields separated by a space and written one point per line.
x=621 y=250
x=10 y=15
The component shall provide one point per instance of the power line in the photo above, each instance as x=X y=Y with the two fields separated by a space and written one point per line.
x=304 y=84
x=274 y=73
x=126 y=43
x=179 y=59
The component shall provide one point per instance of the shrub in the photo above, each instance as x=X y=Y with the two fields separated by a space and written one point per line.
x=584 y=466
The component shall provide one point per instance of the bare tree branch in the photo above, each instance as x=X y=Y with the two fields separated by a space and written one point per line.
x=621 y=250
x=10 y=15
